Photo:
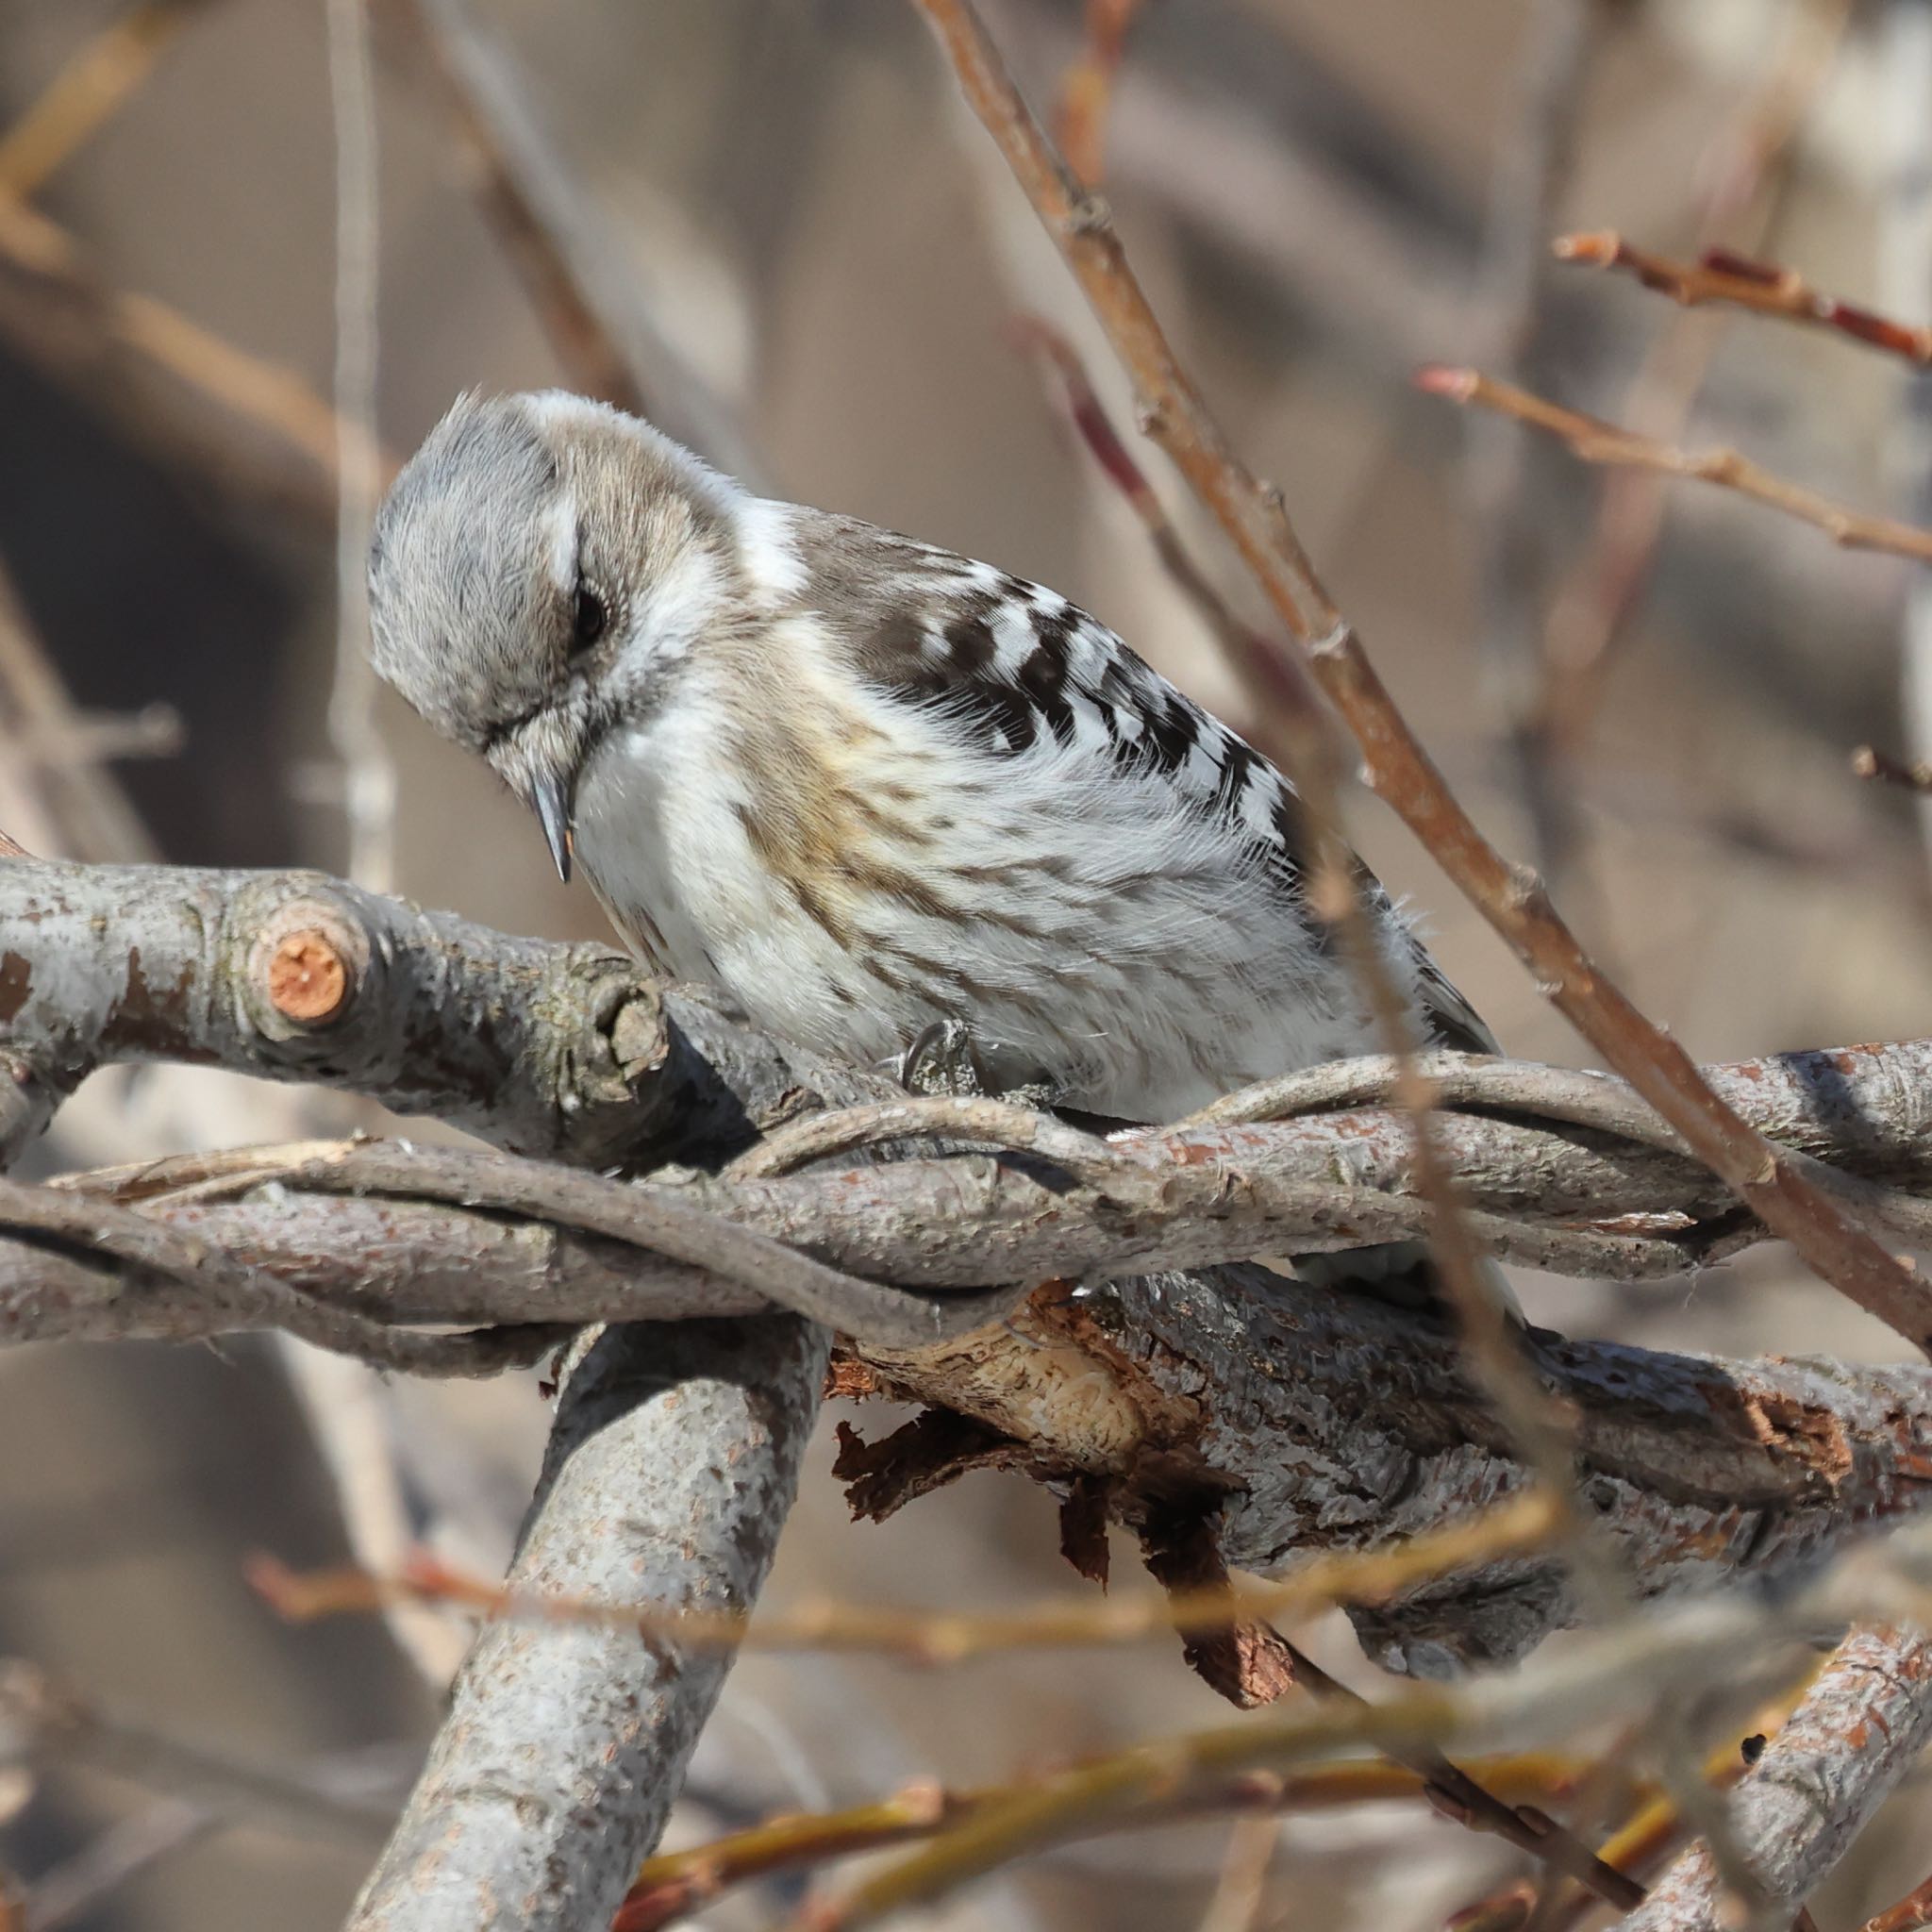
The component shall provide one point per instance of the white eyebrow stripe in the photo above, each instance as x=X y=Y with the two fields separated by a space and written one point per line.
x=562 y=546
x=768 y=546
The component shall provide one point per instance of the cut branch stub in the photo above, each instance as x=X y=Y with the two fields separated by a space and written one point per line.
x=307 y=967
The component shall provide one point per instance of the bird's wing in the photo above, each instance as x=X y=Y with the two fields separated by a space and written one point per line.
x=1023 y=670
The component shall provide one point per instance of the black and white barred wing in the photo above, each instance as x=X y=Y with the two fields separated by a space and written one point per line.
x=1136 y=827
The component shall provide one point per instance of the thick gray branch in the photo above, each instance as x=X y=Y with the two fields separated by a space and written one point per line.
x=671 y=1466
x=1860 y=1728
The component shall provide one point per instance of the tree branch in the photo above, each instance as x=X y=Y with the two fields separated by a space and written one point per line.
x=1860 y=1728
x=1741 y=281
x=1590 y=439
x=1296 y=1420
x=672 y=1467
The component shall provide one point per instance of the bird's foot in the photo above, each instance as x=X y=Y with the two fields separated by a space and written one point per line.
x=942 y=1060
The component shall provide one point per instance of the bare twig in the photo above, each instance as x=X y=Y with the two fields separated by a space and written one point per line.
x=944 y=1637
x=1740 y=281
x=1276 y=682
x=673 y=1885
x=367 y=772
x=1909 y=1915
x=87 y=92
x=1086 y=87
x=1338 y=891
x=252 y=1296
x=1453 y=1791
x=1593 y=440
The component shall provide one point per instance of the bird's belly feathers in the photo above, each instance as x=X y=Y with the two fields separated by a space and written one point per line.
x=1096 y=936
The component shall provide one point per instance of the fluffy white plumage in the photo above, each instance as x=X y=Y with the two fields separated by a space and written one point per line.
x=862 y=783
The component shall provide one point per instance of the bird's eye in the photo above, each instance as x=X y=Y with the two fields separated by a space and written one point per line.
x=587 y=618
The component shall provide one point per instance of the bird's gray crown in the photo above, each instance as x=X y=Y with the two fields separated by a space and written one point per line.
x=468 y=621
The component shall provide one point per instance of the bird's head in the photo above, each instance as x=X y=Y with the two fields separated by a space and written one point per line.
x=541 y=568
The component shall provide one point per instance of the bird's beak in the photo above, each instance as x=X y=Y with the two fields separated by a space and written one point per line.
x=550 y=797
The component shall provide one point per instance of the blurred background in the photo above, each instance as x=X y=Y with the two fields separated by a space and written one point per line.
x=811 y=260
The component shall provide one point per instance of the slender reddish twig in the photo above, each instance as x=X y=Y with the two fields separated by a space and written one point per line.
x=1593 y=440
x=672 y=1885
x=1295 y=730
x=1396 y=765
x=1087 y=87
x=1909 y=1915
x=1741 y=281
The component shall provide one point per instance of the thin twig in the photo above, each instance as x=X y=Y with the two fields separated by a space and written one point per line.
x=1468 y=1799
x=1276 y=682
x=1339 y=891
x=97 y=80
x=1741 y=281
x=1911 y=1913
x=367 y=771
x=1086 y=87
x=239 y=1289
x=1593 y=440
x=673 y=1885
x=944 y=1637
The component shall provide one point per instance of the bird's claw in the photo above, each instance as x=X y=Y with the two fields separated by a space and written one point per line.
x=942 y=1060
